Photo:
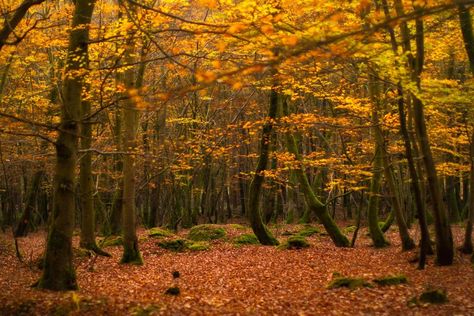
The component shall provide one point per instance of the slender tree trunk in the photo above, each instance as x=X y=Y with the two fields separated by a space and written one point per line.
x=407 y=242
x=131 y=253
x=425 y=246
x=377 y=167
x=258 y=226
x=468 y=37
x=58 y=273
x=24 y=222
x=86 y=184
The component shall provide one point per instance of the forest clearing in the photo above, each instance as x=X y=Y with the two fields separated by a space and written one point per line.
x=232 y=279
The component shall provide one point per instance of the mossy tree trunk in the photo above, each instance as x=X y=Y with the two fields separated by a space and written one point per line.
x=313 y=202
x=131 y=253
x=377 y=167
x=258 y=226
x=444 y=238
x=468 y=37
x=425 y=246
x=407 y=242
x=58 y=273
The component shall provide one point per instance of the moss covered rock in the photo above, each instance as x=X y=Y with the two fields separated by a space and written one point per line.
x=308 y=231
x=206 y=232
x=348 y=282
x=157 y=232
x=173 y=244
x=246 y=239
x=198 y=246
x=391 y=280
x=294 y=243
x=434 y=296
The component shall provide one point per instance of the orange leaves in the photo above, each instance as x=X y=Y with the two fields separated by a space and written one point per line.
x=237 y=27
x=211 y=4
x=206 y=76
x=289 y=40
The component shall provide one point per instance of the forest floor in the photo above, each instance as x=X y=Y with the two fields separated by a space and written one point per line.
x=231 y=280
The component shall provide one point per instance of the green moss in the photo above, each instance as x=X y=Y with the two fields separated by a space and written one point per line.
x=434 y=296
x=391 y=280
x=246 y=239
x=350 y=229
x=178 y=244
x=198 y=246
x=350 y=283
x=131 y=255
x=237 y=226
x=308 y=231
x=144 y=310
x=290 y=218
x=206 y=232
x=157 y=232
x=82 y=252
x=111 y=241
x=295 y=242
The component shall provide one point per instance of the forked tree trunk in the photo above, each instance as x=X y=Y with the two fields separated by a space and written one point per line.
x=313 y=202
x=58 y=273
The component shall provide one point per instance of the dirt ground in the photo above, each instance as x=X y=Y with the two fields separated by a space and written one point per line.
x=230 y=280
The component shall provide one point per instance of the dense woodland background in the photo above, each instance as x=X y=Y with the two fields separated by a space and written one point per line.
x=174 y=113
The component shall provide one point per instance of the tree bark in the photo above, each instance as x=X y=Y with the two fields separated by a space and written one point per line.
x=58 y=273
x=258 y=226
x=131 y=253
x=468 y=37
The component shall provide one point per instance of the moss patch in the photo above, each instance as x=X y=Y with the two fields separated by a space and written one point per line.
x=82 y=252
x=308 y=231
x=173 y=244
x=206 y=232
x=350 y=229
x=144 y=310
x=111 y=241
x=351 y=283
x=434 y=296
x=237 y=226
x=246 y=239
x=157 y=232
x=198 y=246
x=294 y=243
x=391 y=280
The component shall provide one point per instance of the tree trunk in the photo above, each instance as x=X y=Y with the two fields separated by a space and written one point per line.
x=22 y=227
x=377 y=166
x=468 y=37
x=131 y=253
x=313 y=202
x=258 y=226
x=58 y=273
